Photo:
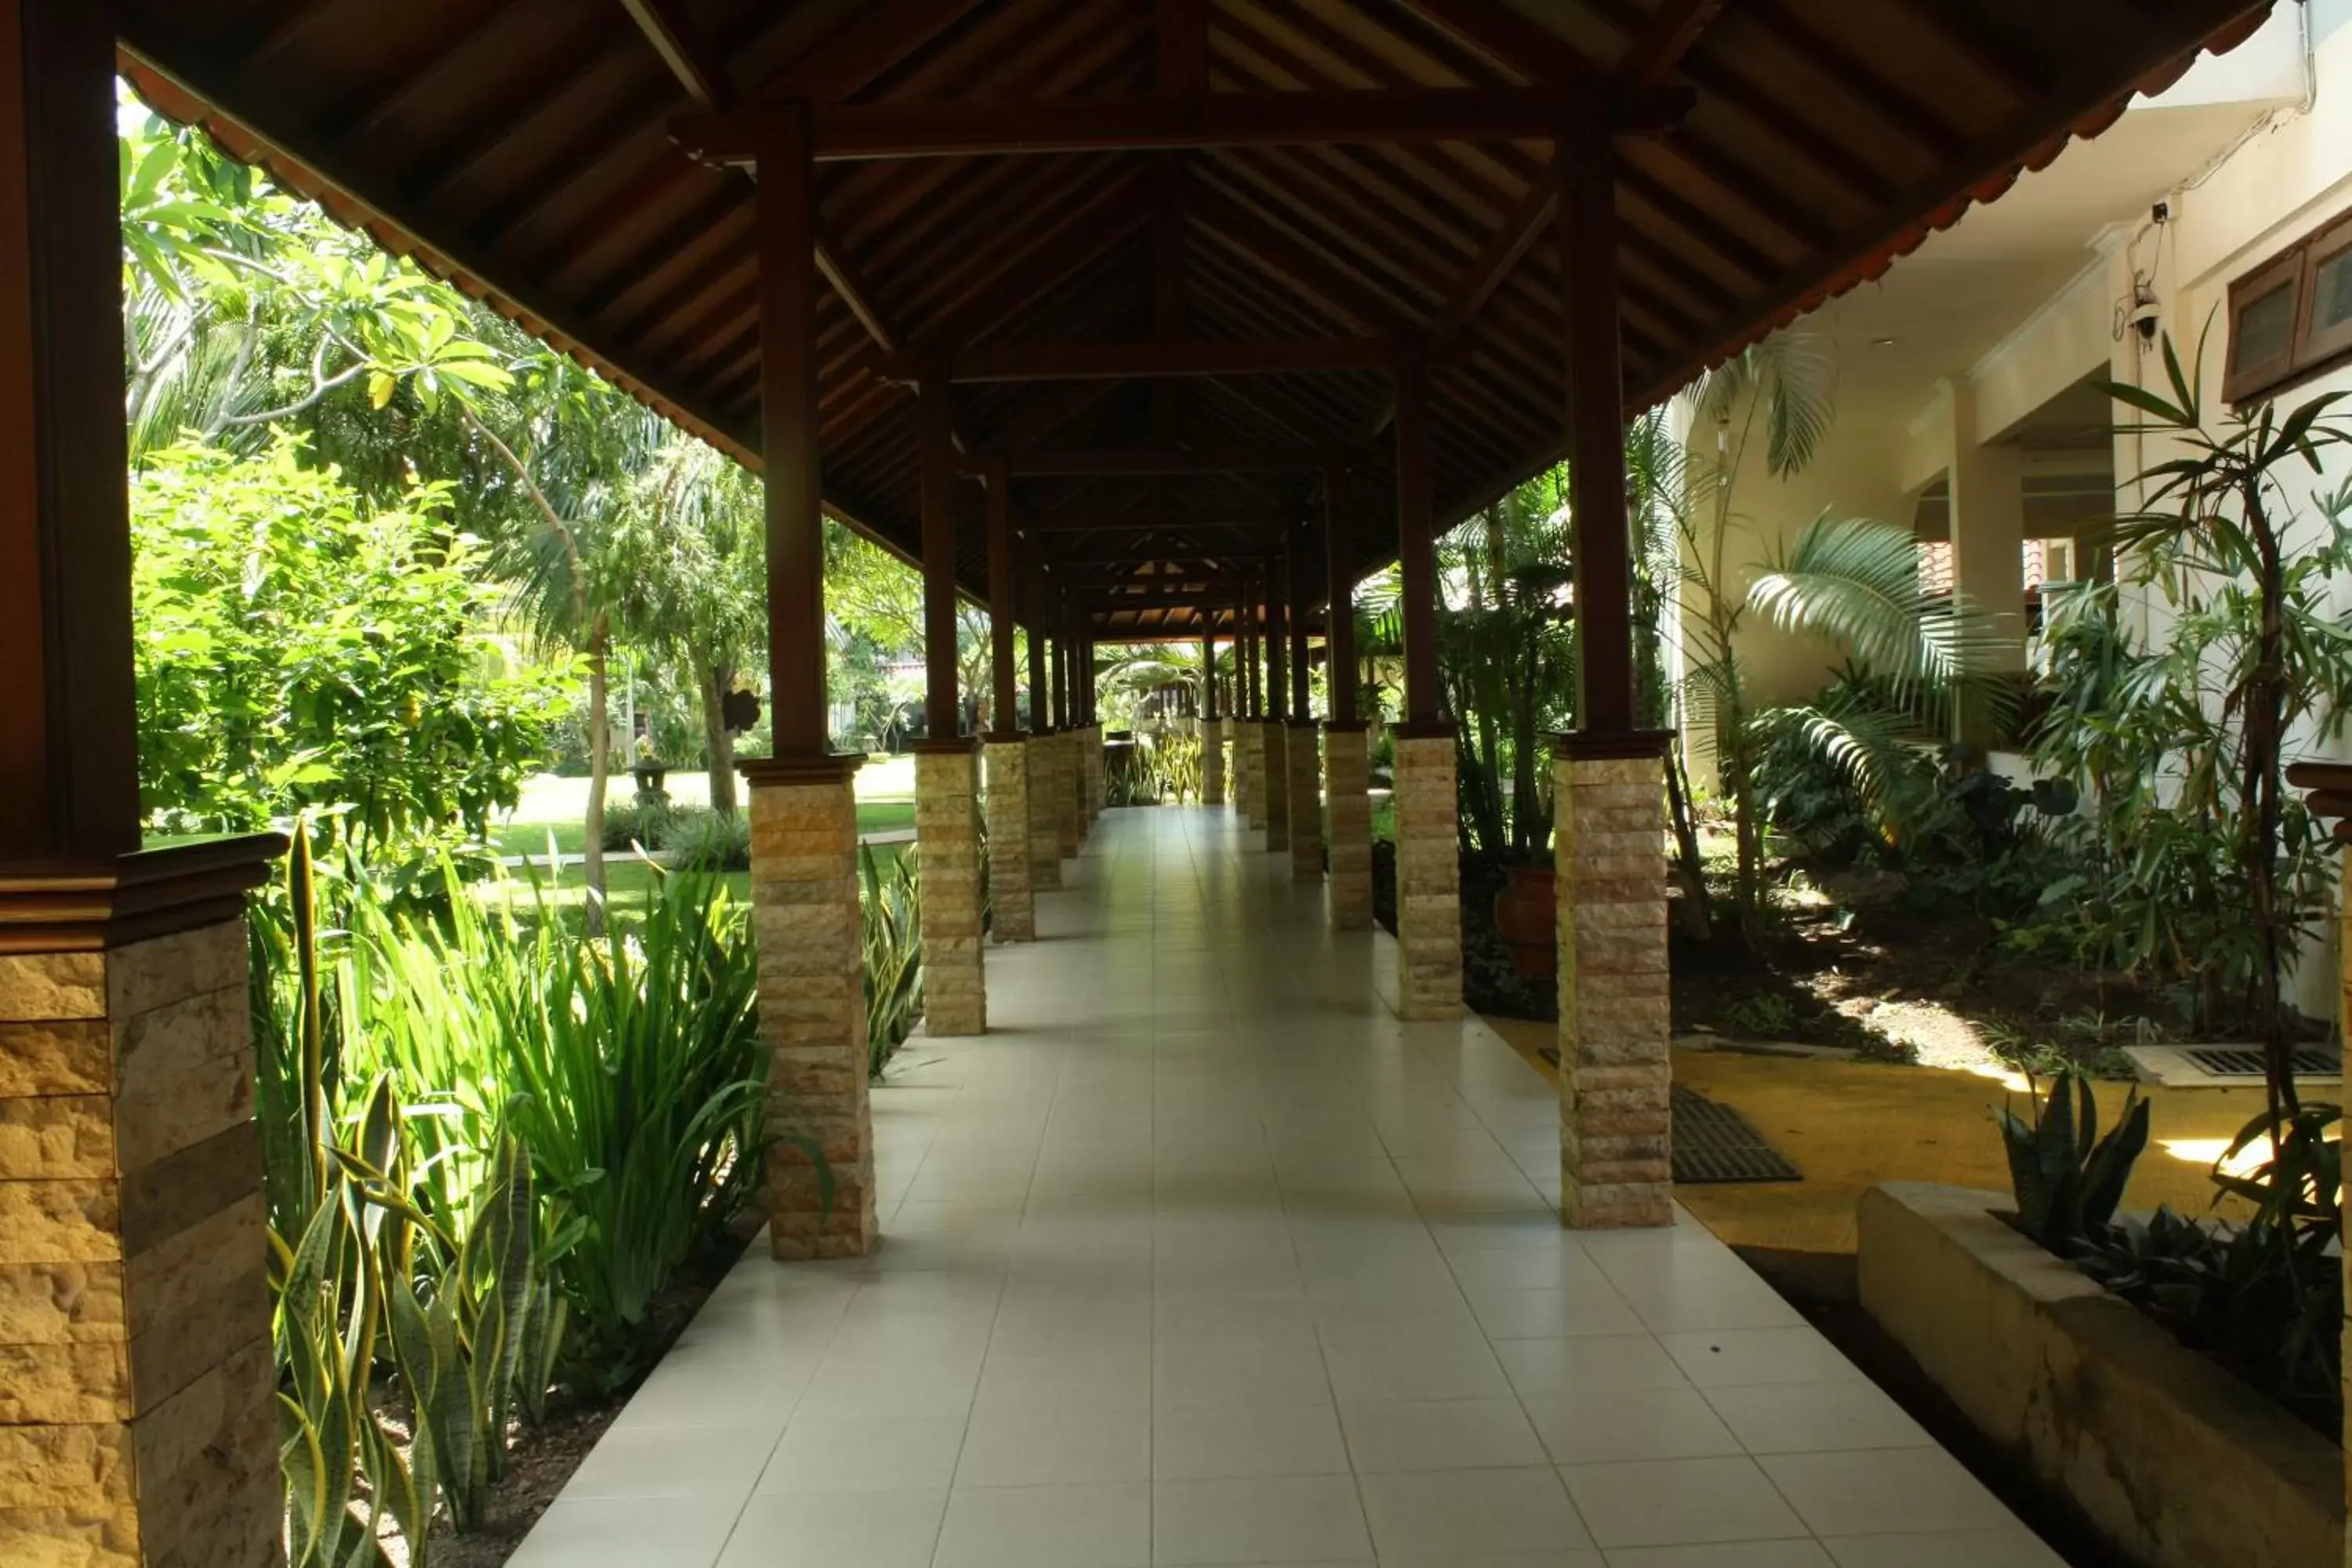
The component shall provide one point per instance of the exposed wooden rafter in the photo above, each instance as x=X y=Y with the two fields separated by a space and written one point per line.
x=962 y=129
x=1674 y=31
x=1081 y=362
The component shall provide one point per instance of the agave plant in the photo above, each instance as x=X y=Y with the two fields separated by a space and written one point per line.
x=892 y=910
x=2067 y=1178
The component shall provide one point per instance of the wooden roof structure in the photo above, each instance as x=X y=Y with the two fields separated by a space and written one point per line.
x=1164 y=249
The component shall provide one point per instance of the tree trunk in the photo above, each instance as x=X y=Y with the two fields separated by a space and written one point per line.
x=719 y=743
x=600 y=764
x=1690 y=869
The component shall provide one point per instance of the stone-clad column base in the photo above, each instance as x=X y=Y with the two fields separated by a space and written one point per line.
x=1249 y=746
x=1045 y=821
x=810 y=939
x=1275 y=782
x=1305 y=794
x=1213 y=761
x=1347 y=782
x=1066 y=784
x=947 y=834
x=1012 y=907
x=1098 y=784
x=138 y=1413
x=1429 y=878
x=1616 y=1127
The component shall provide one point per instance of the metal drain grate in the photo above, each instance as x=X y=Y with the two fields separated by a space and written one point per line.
x=2227 y=1062
x=1715 y=1143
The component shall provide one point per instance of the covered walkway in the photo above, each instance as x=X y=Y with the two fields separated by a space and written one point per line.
x=1201 y=1257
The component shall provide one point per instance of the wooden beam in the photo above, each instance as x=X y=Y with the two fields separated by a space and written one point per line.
x=788 y=436
x=1601 y=544
x=942 y=712
x=1124 y=361
x=1417 y=549
x=1674 y=31
x=1339 y=597
x=684 y=49
x=1181 y=34
x=1163 y=521
x=879 y=35
x=1298 y=264
x=1155 y=459
x=1508 y=38
x=848 y=281
x=962 y=129
x=1504 y=250
x=1001 y=616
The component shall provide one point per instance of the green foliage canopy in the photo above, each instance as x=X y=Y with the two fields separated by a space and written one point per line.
x=299 y=649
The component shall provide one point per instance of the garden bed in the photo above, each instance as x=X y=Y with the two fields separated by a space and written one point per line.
x=2180 y=1463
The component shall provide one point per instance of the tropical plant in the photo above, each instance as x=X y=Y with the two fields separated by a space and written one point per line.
x=2257 y=649
x=2067 y=1178
x=385 y=1254
x=636 y=1078
x=1506 y=655
x=268 y=686
x=892 y=912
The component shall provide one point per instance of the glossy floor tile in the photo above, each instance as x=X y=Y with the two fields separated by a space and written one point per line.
x=1199 y=1257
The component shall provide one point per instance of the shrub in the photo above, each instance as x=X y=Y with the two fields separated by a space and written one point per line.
x=701 y=840
x=892 y=908
x=2068 y=1179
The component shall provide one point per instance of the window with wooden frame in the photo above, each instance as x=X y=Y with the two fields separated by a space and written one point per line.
x=2291 y=318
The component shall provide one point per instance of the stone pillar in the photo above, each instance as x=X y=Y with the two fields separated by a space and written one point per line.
x=811 y=937
x=1615 y=1129
x=1072 y=827
x=138 y=1413
x=1346 y=769
x=1012 y=903
x=1248 y=750
x=1045 y=820
x=1273 y=783
x=947 y=835
x=1213 y=761
x=1306 y=795
x=1097 y=794
x=1429 y=878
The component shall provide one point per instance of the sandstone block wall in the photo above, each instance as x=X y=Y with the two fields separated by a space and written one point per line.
x=946 y=833
x=1012 y=902
x=1045 y=817
x=1249 y=746
x=1213 y=761
x=1429 y=879
x=1615 y=1131
x=1305 y=796
x=1275 y=782
x=1097 y=795
x=138 y=1412
x=1068 y=770
x=1347 y=783
x=806 y=921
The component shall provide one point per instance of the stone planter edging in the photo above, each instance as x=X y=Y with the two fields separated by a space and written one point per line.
x=2180 y=1463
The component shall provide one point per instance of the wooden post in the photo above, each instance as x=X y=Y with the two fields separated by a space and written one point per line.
x=1340 y=628
x=1277 y=639
x=141 y=1420
x=786 y=216
x=1302 y=741
x=803 y=798
x=1041 y=711
x=68 y=729
x=1416 y=543
x=942 y=712
x=1601 y=547
x=1006 y=694
x=1608 y=789
x=1301 y=594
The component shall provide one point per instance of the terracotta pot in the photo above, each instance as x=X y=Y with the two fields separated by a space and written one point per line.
x=1526 y=917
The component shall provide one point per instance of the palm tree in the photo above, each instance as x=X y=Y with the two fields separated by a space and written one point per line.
x=577 y=444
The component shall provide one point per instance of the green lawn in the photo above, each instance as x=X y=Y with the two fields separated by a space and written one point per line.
x=550 y=804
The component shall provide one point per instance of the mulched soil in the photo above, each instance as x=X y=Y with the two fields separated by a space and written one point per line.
x=541 y=1458
x=1849 y=979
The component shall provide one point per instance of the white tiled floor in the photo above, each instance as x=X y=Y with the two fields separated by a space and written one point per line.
x=1200 y=1257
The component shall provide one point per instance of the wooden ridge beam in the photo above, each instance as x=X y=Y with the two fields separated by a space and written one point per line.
x=1155 y=459
x=957 y=130
x=1163 y=523
x=1124 y=362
